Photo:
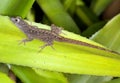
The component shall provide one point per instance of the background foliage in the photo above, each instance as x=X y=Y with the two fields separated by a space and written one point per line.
x=98 y=20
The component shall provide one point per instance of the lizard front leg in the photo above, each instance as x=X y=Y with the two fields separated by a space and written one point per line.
x=25 y=40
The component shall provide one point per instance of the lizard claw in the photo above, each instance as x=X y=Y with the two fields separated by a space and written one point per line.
x=42 y=47
x=22 y=41
x=52 y=47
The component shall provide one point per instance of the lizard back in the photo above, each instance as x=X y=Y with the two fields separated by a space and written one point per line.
x=34 y=32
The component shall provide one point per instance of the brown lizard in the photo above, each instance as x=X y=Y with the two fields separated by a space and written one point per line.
x=48 y=36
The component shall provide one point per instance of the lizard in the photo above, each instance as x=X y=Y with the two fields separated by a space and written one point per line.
x=48 y=36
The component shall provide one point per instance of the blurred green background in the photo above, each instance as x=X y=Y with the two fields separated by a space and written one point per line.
x=98 y=20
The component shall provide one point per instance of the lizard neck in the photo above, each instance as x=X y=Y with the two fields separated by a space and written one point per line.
x=23 y=26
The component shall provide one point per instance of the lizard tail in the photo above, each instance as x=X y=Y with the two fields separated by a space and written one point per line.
x=63 y=39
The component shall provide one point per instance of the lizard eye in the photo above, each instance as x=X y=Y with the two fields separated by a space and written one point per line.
x=17 y=20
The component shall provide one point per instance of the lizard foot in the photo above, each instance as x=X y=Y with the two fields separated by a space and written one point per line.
x=24 y=41
x=42 y=47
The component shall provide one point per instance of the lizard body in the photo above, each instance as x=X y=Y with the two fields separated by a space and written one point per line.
x=48 y=36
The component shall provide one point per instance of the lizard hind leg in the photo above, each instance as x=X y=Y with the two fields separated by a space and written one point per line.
x=55 y=29
x=45 y=45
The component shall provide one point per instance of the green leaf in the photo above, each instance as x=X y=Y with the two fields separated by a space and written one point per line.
x=4 y=68
x=106 y=35
x=29 y=75
x=117 y=80
x=77 y=59
x=98 y=6
x=87 y=79
x=109 y=35
x=93 y=28
x=69 y=6
x=57 y=14
x=15 y=8
x=86 y=15
x=51 y=75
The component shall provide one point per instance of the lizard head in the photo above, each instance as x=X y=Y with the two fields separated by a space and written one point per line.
x=18 y=21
